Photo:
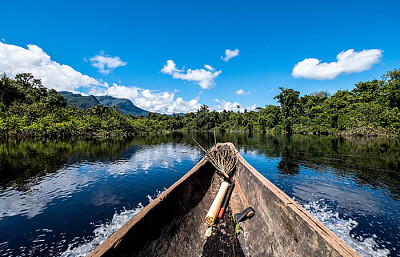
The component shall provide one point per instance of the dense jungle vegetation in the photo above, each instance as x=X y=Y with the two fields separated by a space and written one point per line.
x=28 y=109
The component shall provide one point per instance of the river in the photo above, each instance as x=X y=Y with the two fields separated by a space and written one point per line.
x=63 y=198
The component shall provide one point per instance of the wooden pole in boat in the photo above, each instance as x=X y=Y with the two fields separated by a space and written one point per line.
x=241 y=194
x=216 y=205
x=248 y=212
x=225 y=203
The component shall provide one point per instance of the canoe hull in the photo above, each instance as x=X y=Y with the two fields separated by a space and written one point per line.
x=173 y=224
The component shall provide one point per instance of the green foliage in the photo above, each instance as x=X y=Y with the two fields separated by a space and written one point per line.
x=291 y=108
x=391 y=88
x=371 y=108
x=27 y=109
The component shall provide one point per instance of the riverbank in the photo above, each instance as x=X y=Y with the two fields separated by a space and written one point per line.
x=29 y=110
x=357 y=132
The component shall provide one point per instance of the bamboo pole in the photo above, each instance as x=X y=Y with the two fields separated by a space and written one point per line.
x=225 y=202
x=216 y=205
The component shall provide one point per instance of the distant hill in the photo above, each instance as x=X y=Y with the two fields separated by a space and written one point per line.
x=125 y=105
x=84 y=102
x=79 y=100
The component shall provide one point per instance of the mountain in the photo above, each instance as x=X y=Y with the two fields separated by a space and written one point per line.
x=79 y=100
x=84 y=102
x=125 y=105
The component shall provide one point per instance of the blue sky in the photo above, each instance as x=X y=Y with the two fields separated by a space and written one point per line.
x=137 y=38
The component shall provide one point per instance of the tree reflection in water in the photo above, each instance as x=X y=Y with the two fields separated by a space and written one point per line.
x=372 y=161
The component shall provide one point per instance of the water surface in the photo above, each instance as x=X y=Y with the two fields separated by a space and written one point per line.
x=65 y=197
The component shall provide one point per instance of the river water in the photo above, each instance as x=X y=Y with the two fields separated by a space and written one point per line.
x=63 y=198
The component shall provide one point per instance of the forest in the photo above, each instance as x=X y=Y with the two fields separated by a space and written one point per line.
x=29 y=109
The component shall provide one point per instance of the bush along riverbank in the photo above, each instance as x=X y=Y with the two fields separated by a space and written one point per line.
x=28 y=109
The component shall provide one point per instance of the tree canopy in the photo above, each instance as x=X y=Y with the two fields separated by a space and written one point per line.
x=28 y=109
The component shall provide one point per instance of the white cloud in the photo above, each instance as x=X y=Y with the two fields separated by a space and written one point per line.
x=224 y=105
x=208 y=67
x=123 y=91
x=242 y=92
x=229 y=106
x=15 y=59
x=154 y=101
x=203 y=77
x=229 y=54
x=252 y=108
x=106 y=64
x=347 y=62
x=170 y=68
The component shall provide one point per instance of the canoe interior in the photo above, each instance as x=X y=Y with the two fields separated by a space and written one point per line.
x=173 y=224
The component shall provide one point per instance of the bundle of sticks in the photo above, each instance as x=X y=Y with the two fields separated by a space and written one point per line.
x=223 y=157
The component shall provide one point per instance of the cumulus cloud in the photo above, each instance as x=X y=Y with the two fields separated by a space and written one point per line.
x=229 y=106
x=15 y=59
x=106 y=64
x=229 y=54
x=203 y=77
x=208 y=67
x=170 y=68
x=242 y=92
x=154 y=101
x=225 y=105
x=123 y=91
x=347 y=62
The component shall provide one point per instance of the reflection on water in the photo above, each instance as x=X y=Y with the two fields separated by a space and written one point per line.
x=67 y=196
x=63 y=204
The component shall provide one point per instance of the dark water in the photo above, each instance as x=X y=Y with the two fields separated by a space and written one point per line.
x=64 y=198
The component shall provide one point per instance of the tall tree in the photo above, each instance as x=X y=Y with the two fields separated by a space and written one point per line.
x=291 y=107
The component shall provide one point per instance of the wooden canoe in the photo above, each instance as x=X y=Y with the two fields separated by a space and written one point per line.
x=173 y=224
